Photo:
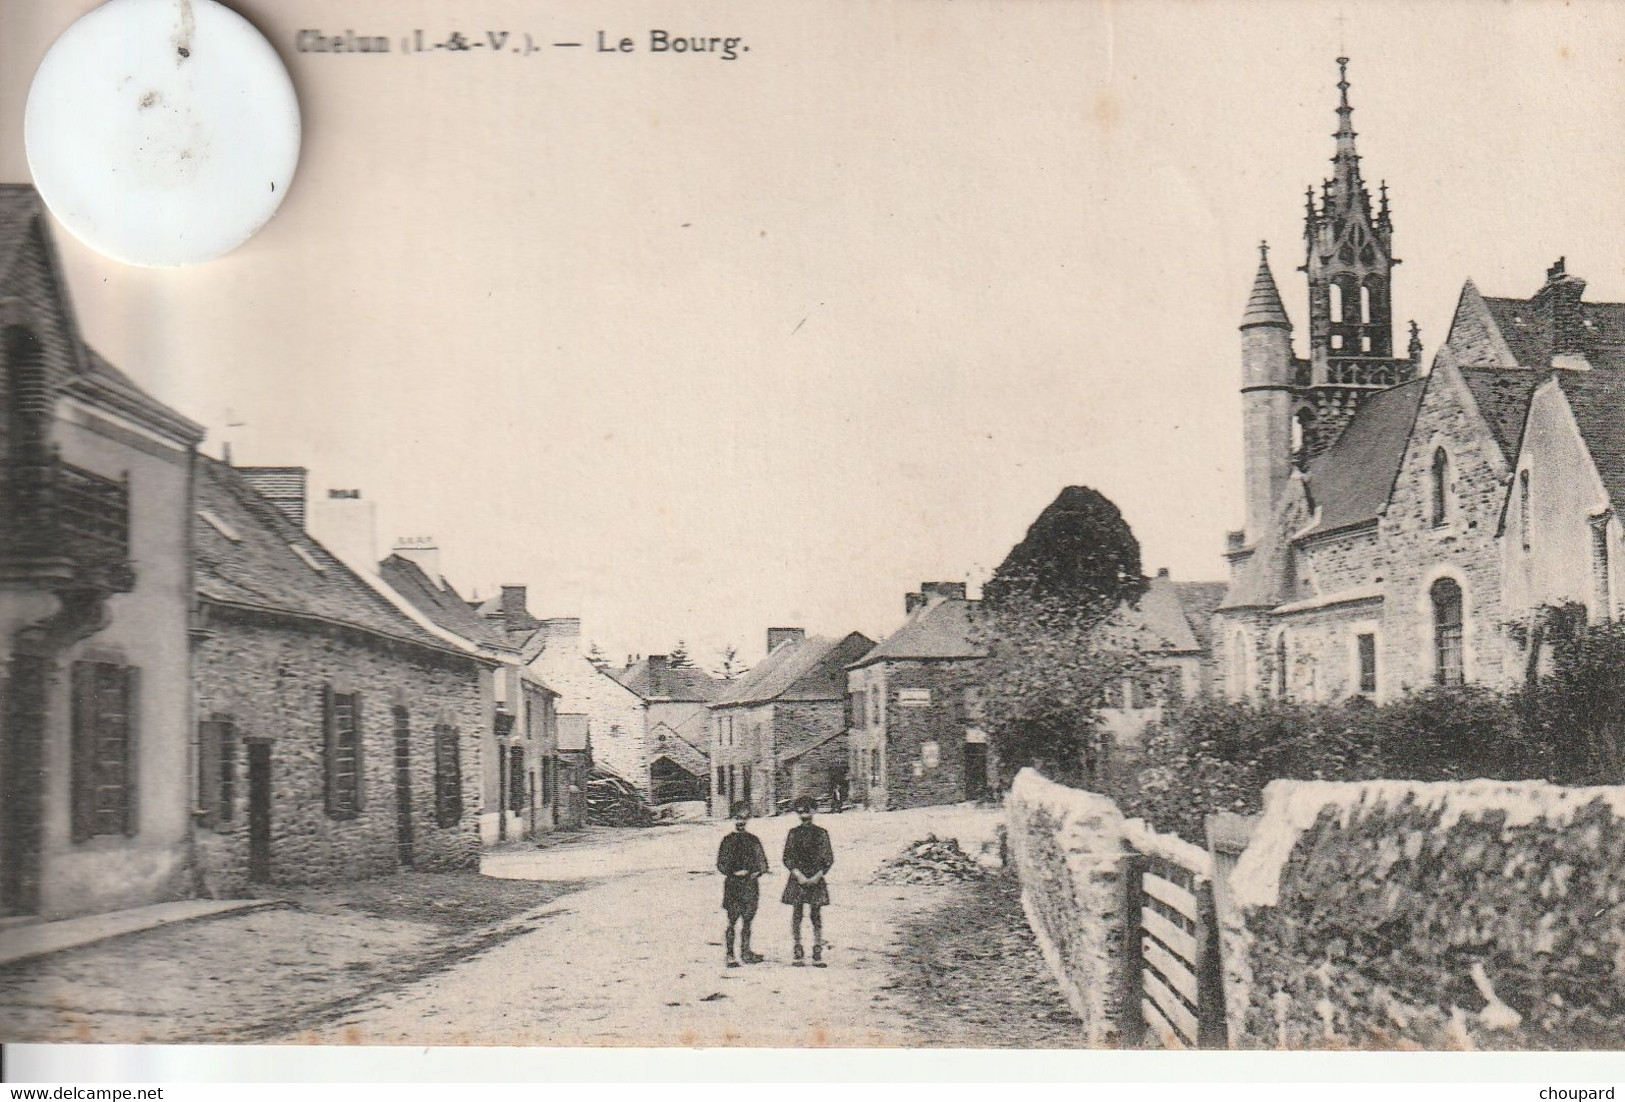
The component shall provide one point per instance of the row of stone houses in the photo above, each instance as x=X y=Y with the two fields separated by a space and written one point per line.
x=208 y=681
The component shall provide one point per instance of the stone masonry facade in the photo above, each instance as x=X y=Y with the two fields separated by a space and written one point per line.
x=265 y=676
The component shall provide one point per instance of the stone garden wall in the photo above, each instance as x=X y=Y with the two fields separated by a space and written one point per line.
x=1479 y=914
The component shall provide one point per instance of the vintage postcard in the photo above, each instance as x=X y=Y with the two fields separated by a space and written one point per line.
x=975 y=524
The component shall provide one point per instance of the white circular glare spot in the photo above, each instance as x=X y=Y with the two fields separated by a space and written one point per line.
x=162 y=132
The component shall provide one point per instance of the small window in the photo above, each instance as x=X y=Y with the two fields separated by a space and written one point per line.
x=217 y=770
x=1440 y=484
x=220 y=526
x=1365 y=310
x=1602 y=596
x=1337 y=341
x=307 y=558
x=342 y=722
x=874 y=768
x=1523 y=508
x=1336 y=303
x=1366 y=644
x=1365 y=344
x=1447 y=633
x=448 y=775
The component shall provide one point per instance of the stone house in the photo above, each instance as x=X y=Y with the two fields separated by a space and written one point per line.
x=519 y=788
x=612 y=713
x=95 y=600
x=676 y=725
x=1170 y=628
x=1374 y=560
x=337 y=738
x=912 y=707
x=794 y=699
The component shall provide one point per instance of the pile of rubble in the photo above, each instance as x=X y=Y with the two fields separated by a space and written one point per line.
x=615 y=801
x=931 y=860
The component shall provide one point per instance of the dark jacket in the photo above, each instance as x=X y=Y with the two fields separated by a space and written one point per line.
x=740 y=851
x=807 y=850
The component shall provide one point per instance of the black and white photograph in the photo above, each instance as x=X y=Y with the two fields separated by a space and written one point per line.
x=964 y=524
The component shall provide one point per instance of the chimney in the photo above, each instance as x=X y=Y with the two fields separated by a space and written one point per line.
x=563 y=630
x=953 y=591
x=1561 y=298
x=513 y=604
x=347 y=525
x=658 y=664
x=1162 y=572
x=283 y=487
x=778 y=636
x=423 y=552
x=912 y=601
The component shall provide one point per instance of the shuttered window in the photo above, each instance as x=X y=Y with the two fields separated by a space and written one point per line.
x=217 y=770
x=448 y=776
x=342 y=723
x=105 y=700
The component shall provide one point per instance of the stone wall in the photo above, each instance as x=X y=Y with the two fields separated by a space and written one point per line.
x=1390 y=914
x=912 y=721
x=266 y=677
x=1067 y=848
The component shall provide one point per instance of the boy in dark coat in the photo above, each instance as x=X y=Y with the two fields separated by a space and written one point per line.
x=809 y=857
x=742 y=860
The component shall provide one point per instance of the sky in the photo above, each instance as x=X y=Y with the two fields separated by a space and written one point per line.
x=694 y=347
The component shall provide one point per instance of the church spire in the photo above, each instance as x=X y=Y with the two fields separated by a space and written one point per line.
x=1348 y=191
x=1264 y=306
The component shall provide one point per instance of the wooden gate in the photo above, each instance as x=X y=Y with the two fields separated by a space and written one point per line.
x=1173 y=992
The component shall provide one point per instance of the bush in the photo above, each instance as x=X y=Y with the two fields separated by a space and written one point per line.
x=1215 y=755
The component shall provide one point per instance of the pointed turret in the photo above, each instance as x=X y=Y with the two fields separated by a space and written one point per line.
x=1264 y=306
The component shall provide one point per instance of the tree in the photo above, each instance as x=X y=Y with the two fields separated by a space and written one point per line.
x=598 y=658
x=730 y=666
x=1055 y=646
x=679 y=659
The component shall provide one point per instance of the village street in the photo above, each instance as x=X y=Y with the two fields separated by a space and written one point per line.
x=600 y=937
x=638 y=959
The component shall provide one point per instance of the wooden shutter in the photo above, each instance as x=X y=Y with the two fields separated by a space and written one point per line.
x=330 y=750
x=360 y=800
x=208 y=771
x=132 y=733
x=83 y=751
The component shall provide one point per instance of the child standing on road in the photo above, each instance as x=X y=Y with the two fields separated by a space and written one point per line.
x=809 y=857
x=742 y=861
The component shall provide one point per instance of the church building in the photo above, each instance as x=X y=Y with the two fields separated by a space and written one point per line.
x=1386 y=546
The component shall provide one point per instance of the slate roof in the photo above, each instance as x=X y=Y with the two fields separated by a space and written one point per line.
x=810 y=669
x=1598 y=401
x=1527 y=329
x=1200 y=600
x=259 y=568
x=440 y=603
x=1349 y=483
x=1264 y=305
x=939 y=630
x=1503 y=398
x=681 y=684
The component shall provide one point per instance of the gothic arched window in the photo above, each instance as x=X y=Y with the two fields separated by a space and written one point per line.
x=1440 y=486
x=1365 y=303
x=1336 y=302
x=1447 y=632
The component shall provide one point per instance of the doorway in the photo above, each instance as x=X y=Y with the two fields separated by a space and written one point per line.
x=975 y=770
x=259 y=811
